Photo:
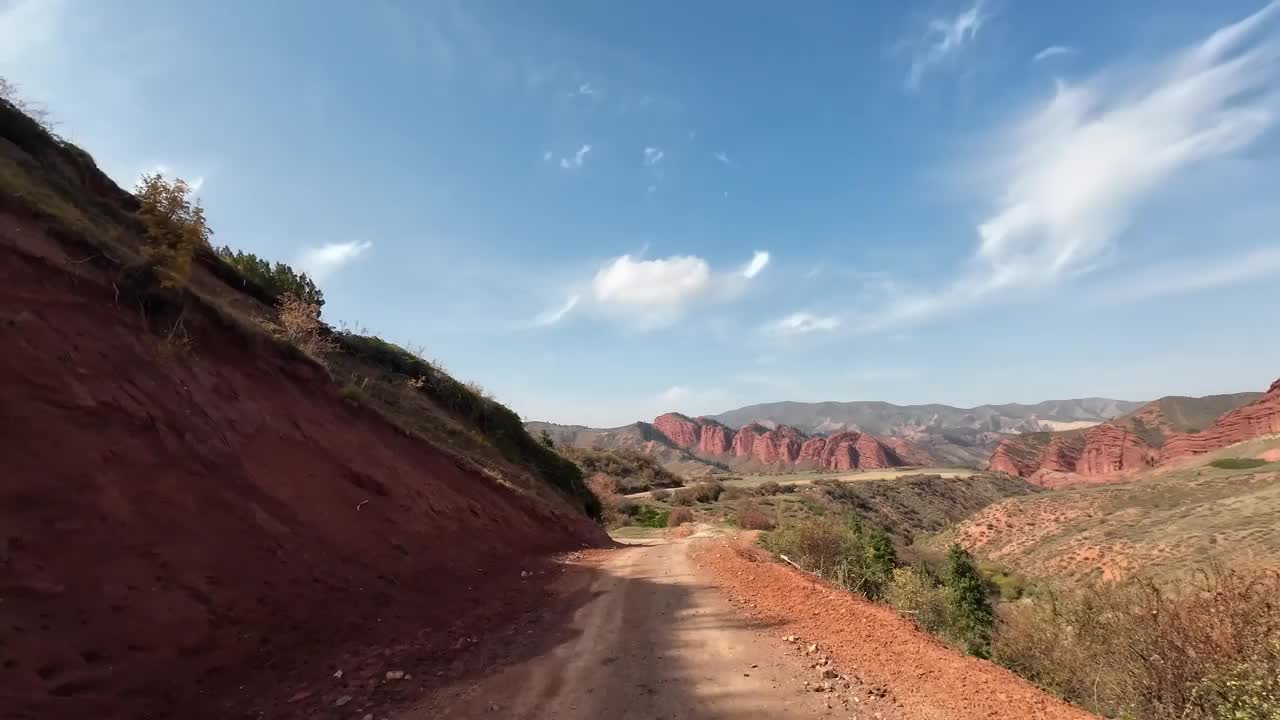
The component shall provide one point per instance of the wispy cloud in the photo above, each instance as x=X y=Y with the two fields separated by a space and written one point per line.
x=575 y=160
x=1178 y=277
x=654 y=293
x=27 y=25
x=1053 y=51
x=584 y=89
x=322 y=262
x=758 y=260
x=555 y=315
x=803 y=323
x=1072 y=174
x=674 y=396
x=943 y=39
x=652 y=156
x=723 y=158
x=547 y=156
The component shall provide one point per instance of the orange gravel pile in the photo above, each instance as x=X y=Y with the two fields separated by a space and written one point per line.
x=927 y=679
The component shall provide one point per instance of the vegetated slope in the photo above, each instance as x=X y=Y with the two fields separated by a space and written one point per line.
x=918 y=504
x=197 y=520
x=1161 y=523
x=1158 y=433
x=633 y=471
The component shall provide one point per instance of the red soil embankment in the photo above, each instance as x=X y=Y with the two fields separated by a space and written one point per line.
x=201 y=534
x=879 y=646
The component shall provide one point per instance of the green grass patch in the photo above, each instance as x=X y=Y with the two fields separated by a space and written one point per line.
x=1237 y=463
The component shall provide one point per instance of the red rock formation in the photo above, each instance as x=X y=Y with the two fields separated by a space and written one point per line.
x=679 y=429
x=874 y=455
x=1261 y=417
x=745 y=439
x=781 y=444
x=1016 y=457
x=1063 y=453
x=785 y=445
x=716 y=439
x=811 y=451
x=1113 y=450
x=1109 y=448
x=840 y=452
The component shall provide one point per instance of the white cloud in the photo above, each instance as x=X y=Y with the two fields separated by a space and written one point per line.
x=1172 y=278
x=323 y=261
x=584 y=89
x=648 y=283
x=758 y=261
x=803 y=323
x=1053 y=51
x=576 y=160
x=547 y=155
x=673 y=396
x=555 y=315
x=724 y=159
x=652 y=156
x=944 y=38
x=1073 y=173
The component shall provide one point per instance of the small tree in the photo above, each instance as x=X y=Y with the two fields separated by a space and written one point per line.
x=544 y=437
x=971 y=615
x=174 y=223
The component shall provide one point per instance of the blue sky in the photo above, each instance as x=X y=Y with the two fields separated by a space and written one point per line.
x=602 y=211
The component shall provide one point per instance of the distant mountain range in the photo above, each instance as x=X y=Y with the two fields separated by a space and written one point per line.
x=837 y=435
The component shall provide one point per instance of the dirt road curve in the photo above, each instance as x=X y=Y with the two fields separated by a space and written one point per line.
x=655 y=638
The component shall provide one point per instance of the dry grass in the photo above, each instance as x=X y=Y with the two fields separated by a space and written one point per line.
x=1204 y=649
x=1162 y=525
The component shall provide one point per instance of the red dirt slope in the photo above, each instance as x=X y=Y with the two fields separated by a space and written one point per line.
x=880 y=647
x=187 y=536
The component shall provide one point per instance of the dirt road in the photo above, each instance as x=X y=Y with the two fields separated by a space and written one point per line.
x=654 y=641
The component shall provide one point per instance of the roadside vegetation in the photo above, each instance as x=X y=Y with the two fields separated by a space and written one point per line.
x=1200 y=645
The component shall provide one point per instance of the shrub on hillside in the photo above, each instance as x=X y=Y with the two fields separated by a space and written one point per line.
x=605 y=489
x=970 y=617
x=1238 y=463
x=662 y=495
x=913 y=592
x=684 y=496
x=651 y=517
x=708 y=492
x=736 y=492
x=751 y=517
x=861 y=561
x=279 y=278
x=768 y=488
x=300 y=325
x=679 y=516
x=174 y=223
x=1206 y=649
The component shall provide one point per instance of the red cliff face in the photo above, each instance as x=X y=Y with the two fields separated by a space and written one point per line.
x=840 y=452
x=716 y=439
x=873 y=454
x=1112 y=450
x=1261 y=417
x=745 y=439
x=785 y=445
x=811 y=452
x=680 y=430
x=779 y=445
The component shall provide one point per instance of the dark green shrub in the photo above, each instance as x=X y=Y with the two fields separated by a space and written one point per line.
x=650 y=516
x=1237 y=463
x=280 y=279
x=970 y=615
